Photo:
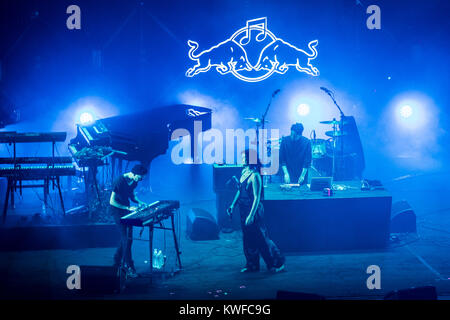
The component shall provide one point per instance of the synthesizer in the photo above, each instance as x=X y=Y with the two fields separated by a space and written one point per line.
x=152 y=213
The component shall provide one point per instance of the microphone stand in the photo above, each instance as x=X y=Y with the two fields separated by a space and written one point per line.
x=262 y=124
x=342 y=128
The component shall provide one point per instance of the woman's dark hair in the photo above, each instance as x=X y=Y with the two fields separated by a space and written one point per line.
x=139 y=169
x=252 y=156
x=252 y=159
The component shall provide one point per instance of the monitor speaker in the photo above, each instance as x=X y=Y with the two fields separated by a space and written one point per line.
x=403 y=218
x=201 y=225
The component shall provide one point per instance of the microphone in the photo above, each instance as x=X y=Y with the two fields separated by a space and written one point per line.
x=275 y=92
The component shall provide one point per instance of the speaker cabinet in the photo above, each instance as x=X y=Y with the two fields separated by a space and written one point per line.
x=201 y=225
x=403 y=218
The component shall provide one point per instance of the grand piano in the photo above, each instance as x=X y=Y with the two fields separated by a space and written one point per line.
x=140 y=136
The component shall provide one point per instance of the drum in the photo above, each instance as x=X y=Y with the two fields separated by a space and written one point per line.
x=320 y=148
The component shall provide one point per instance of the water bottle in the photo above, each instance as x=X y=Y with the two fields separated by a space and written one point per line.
x=155 y=258
x=158 y=259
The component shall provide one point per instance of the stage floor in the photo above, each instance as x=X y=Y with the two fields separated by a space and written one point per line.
x=211 y=271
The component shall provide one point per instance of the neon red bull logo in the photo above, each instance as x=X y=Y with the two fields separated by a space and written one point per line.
x=252 y=54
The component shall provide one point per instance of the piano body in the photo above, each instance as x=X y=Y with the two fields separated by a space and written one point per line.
x=140 y=136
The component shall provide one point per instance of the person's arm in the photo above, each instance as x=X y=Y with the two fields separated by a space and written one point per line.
x=114 y=203
x=306 y=163
x=231 y=208
x=287 y=179
x=257 y=185
x=135 y=199
x=302 y=175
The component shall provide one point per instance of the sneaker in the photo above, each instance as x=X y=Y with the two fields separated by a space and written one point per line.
x=248 y=270
x=131 y=273
x=277 y=269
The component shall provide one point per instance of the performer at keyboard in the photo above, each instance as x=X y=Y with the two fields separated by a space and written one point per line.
x=295 y=155
x=255 y=238
x=123 y=192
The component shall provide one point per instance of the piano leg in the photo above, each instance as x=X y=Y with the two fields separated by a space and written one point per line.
x=46 y=191
x=175 y=240
x=58 y=185
x=150 y=244
x=13 y=189
x=5 y=205
x=97 y=191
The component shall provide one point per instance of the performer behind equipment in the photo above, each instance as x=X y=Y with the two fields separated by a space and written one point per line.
x=295 y=155
x=255 y=238
x=123 y=192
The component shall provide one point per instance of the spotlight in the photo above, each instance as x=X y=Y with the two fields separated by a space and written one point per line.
x=86 y=118
x=406 y=111
x=303 y=109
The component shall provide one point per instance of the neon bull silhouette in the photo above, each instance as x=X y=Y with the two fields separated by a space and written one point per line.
x=280 y=55
x=226 y=56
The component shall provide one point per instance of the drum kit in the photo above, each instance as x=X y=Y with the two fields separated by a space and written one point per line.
x=325 y=151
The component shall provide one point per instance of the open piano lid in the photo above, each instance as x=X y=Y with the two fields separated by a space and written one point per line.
x=142 y=135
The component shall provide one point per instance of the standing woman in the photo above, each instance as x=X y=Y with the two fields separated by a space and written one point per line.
x=255 y=238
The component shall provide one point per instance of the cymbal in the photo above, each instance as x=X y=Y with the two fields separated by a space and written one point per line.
x=333 y=122
x=256 y=120
x=335 y=133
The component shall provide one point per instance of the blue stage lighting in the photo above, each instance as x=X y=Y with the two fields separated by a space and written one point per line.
x=303 y=109
x=412 y=112
x=86 y=118
x=406 y=111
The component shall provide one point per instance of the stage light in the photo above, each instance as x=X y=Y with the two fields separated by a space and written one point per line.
x=406 y=111
x=303 y=109
x=412 y=112
x=411 y=130
x=86 y=118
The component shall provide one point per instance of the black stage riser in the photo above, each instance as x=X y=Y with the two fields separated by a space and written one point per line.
x=59 y=237
x=329 y=224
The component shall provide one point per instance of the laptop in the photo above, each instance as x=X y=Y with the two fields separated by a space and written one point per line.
x=320 y=183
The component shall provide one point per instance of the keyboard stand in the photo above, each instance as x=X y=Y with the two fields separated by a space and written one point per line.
x=12 y=187
x=151 y=229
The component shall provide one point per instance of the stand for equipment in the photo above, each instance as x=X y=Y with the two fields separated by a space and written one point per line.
x=260 y=122
x=150 y=242
x=13 y=180
x=12 y=187
x=341 y=125
x=151 y=227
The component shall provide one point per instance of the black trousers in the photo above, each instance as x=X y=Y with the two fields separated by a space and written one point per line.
x=123 y=252
x=257 y=242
